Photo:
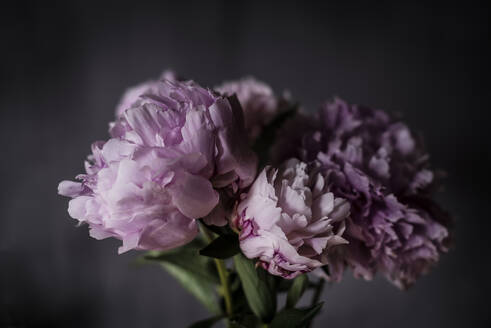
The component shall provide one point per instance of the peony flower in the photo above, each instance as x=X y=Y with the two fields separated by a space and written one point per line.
x=170 y=157
x=185 y=118
x=378 y=165
x=289 y=220
x=258 y=101
x=131 y=97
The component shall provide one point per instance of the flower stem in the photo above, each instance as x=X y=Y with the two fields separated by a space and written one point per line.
x=317 y=295
x=222 y=274
x=318 y=291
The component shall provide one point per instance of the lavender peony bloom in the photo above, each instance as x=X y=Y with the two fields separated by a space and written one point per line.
x=382 y=170
x=259 y=103
x=169 y=155
x=289 y=220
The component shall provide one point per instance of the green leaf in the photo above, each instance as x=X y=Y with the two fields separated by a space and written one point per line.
x=194 y=272
x=216 y=229
x=283 y=285
x=325 y=268
x=203 y=290
x=295 y=318
x=241 y=307
x=259 y=296
x=296 y=291
x=270 y=280
x=188 y=258
x=245 y=320
x=207 y=323
x=223 y=247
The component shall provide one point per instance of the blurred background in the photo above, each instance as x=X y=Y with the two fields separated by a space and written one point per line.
x=65 y=64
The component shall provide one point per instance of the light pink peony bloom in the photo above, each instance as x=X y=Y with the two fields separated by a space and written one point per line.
x=258 y=101
x=289 y=220
x=169 y=155
x=131 y=97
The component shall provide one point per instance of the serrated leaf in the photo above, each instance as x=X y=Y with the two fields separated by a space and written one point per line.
x=207 y=323
x=259 y=296
x=223 y=247
x=295 y=318
x=296 y=291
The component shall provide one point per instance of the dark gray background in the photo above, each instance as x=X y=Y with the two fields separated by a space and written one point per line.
x=64 y=66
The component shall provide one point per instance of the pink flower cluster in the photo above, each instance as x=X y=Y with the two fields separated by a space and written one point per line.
x=350 y=187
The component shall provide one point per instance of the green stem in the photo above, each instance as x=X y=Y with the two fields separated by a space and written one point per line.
x=317 y=295
x=318 y=291
x=222 y=274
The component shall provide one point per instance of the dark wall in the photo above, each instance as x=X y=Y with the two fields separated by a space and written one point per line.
x=64 y=66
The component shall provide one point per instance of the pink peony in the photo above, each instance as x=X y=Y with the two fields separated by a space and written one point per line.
x=170 y=153
x=131 y=97
x=289 y=220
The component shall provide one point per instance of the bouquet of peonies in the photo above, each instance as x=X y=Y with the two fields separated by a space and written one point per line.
x=238 y=194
